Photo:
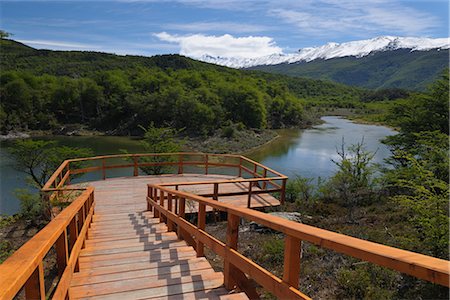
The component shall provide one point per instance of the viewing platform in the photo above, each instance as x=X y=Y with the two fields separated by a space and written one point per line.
x=143 y=236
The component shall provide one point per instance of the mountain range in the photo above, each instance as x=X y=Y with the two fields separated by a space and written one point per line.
x=381 y=62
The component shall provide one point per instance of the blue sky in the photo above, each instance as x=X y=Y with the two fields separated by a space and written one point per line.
x=217 y=27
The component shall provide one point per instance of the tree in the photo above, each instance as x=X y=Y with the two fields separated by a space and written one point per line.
x=4 y=34
x=159 y=140
x=39 y=159
x=354 y=182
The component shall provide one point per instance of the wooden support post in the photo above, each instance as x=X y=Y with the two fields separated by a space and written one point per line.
x=62 y=252
x=135 y=166
x=249 y=199
x=231 y=243
x=181 y=213
x=240 y=166
x=34 y=287
x=206 y=164
x=283 y=191
x=170 y=224
x=68 y=170
x=265 y=182
x=292 y=253
x=73 y=236
x=150 y=195
x=155 y=198
x=255 y=168
x=161 y=202
x=103 y=169
x=201 y=223
x=216 y=191
x=180 y=164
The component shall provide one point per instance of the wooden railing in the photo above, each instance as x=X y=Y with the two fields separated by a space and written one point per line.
x=66 y=233
x=268 y=180
x=170 y=206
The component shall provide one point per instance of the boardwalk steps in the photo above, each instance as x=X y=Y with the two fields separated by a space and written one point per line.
x=133 y=256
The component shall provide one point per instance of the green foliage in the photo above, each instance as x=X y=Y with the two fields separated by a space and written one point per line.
x=366 y=282
x=273 y=250
x=32 y=207
x=301 y=189
x=159 y=140
x=425 y=112
x=39 y=159
x=353 y=184
x=392 y=69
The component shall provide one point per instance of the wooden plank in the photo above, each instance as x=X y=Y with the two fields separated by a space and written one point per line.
x=133 y=248
x=132 y=257
x=168 y=287
x=136 y=286
x=149 y=274
x=183 y=263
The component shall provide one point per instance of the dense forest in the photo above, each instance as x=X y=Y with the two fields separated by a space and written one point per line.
x=46 y=90
x=402 y=68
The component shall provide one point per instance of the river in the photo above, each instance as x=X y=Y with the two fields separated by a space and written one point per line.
x=306 y=152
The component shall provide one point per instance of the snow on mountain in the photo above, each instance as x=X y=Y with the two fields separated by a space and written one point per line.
x=332 y=50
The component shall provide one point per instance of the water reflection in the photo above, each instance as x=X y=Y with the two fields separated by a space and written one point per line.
x=309 y=152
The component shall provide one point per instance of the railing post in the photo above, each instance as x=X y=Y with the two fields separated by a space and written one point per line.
x=149 y=195
x=34 y=287
x=201 y=223
x=249 y=199
x=255 y=168
x=62 y=252
x=240 y=166
x=231 y=243
x=170 y=224
x=283 y=191
x=103 y=169
x=292 y=254
x=216 y=191
x=206 y=164
x=181 y=214
x=68 y=170
x=135 y=165
x=161 y=202
x=180 y=164
x=73 y=234
x=264 y=182
x=155 y=198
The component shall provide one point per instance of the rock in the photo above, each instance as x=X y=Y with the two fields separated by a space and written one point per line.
x=14 y=135
x=291 y=216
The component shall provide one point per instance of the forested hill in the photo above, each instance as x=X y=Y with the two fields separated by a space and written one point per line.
x=403 y=68
x=43 y=89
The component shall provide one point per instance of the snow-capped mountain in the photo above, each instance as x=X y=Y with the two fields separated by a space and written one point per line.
x=333 y=50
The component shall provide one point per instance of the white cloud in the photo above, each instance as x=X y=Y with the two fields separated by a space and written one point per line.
x=197 y=45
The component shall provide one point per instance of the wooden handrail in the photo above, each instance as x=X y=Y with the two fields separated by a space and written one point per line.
x=61 y=176
x=418 y=265
x=24 y=268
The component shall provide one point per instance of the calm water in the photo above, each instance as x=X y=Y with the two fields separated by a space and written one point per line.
x=309 y=152
x=297 y=152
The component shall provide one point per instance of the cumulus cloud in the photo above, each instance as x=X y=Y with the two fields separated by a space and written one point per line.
x=197 y=45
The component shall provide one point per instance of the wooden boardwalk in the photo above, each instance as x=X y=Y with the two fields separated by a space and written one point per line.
x=130 y=255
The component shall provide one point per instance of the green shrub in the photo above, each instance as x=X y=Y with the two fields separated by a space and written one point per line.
x=32 y=208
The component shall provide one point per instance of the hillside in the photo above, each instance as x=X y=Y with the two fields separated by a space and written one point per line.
x=386 y=69
x=43 y=89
